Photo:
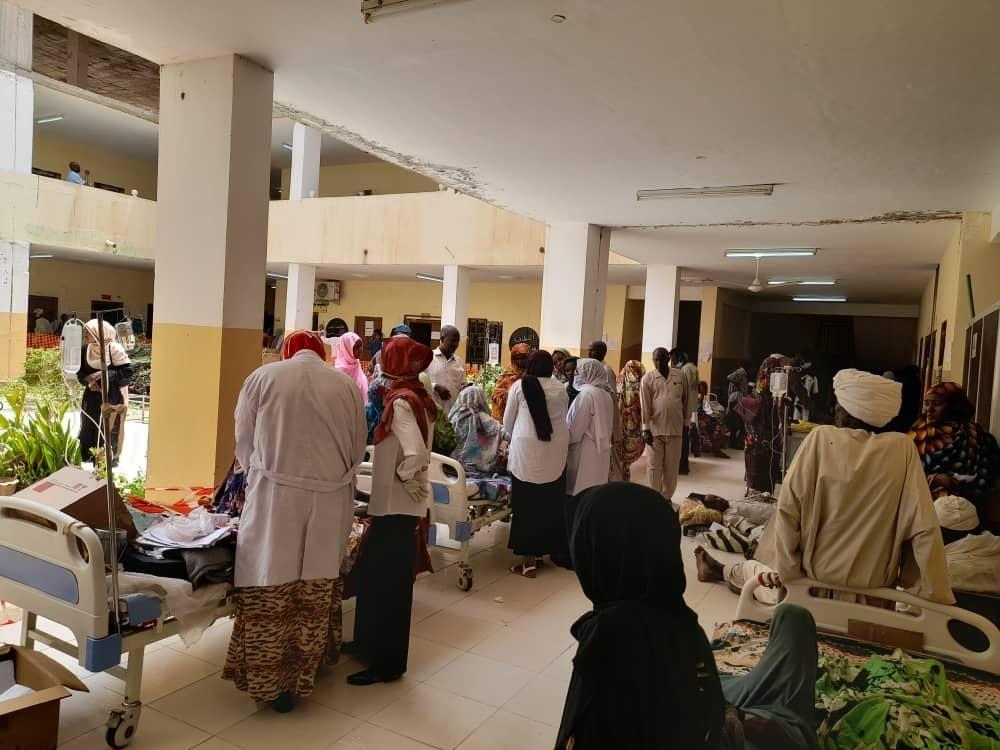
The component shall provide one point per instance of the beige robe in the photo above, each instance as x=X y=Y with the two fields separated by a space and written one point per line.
x=855 y=511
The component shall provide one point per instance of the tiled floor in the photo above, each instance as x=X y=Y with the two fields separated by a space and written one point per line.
x=488 y=670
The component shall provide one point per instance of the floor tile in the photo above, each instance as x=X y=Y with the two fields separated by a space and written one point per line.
x=333 y=692
x=371 y=737
x=542 y=699
x=427 y=658
x=214 y=743
x=309 y=726
x=504 y=600
x=434 y=717
x=211 y=704
x=561 y=668
x=532 y=645
x=212 y=646
x=156 y=732
x=507 y=731
x=163 y=672
x=481 y=679
x=452 y=629
x=83 y=712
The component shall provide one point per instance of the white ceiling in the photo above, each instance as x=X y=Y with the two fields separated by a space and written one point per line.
x=91 y=124
x=858 y=108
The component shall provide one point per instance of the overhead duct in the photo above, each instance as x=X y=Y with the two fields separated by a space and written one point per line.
x=371 y=9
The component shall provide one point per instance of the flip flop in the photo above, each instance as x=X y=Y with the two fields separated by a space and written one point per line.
x=520 y=569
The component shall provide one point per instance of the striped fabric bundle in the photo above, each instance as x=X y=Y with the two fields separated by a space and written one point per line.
x=727 y=539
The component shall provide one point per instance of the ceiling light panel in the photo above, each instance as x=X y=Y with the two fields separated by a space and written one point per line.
x=790 y=252
x=724 y=191
x=801 y=282
x=429 y=277
x=817 y=298
x=45 y=119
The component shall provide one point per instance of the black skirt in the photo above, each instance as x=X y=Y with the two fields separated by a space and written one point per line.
x=538 y=524
x=385 y=594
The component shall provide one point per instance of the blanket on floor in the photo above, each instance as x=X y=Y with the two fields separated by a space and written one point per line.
x=867 y=696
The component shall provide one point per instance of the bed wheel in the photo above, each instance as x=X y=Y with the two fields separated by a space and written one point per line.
x=465 y=579
x=122 y=726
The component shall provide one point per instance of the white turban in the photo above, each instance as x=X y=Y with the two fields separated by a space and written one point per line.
x=871 y=398
x=956 y=513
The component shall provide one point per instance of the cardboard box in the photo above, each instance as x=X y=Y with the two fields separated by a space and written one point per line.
x=31 y=722
x=79 y=494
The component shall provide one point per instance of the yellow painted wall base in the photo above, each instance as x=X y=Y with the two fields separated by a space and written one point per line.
x=13 y=344
x=197 y=375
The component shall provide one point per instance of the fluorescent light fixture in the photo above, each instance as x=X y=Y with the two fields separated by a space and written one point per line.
x=801 y=282
x=429 y=277
x=791 y=252
x=45 y=119
x=814 y=298
x=370 y=9
x=288 y=146
x=40 y=257
x=506 y=276
x=277 y=276
x=360 y=275
x=724 y=191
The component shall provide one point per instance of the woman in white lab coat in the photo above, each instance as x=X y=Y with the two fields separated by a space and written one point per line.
x=591 y=420
x=300 y=434
x=400 y=496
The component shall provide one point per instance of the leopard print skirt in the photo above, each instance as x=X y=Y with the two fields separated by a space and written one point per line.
x=282 y=635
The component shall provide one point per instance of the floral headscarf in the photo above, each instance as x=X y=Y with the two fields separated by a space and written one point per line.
x=479 y=435
x=518 y=361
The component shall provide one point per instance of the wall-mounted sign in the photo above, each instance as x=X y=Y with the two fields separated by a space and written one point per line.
x=494 y=357
x=524 y=335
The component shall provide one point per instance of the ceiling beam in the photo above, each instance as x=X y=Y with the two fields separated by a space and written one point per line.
x=77 y=58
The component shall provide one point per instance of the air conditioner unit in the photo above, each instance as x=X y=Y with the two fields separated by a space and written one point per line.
x=328 y=291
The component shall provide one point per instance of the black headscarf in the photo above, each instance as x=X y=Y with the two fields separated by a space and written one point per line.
x=644 y=677
x=539 y=366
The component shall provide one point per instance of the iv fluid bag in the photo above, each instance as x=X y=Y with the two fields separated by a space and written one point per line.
x=71 y=346
x=125 y=336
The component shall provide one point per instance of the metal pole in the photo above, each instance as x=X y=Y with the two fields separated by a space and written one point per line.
x=109 y=460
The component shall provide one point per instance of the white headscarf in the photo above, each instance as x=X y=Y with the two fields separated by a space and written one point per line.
x=115 y=356
x=871 y=398
x=591 y=374
x=956 y=513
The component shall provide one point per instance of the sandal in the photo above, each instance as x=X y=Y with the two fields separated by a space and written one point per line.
x=520 y=569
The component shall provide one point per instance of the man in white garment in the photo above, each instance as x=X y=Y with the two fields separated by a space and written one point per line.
x=599 y=350
x=447 y=370
x=855 y=509
x=663 y=396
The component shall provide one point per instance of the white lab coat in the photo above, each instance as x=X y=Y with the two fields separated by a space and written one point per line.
x=591 y=419
x=300 y=434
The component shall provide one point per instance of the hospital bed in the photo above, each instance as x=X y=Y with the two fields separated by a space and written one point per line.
x=919 y=626
x=52 y=566
x=457 y=508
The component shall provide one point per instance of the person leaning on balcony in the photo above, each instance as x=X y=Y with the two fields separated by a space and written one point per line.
x=74 y=175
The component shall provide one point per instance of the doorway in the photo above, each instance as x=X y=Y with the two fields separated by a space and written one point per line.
x=425 y=330
x=365 y=326
x=49 y=307
x=114 y=312
x=689 y=328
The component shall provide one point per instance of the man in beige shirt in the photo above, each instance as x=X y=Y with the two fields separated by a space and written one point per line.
x=663 y=396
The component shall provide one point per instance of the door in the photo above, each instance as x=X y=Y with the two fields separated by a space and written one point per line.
x=149 y=321
x=425 y=330
x=49 y=307
x=987 y=357
x=365 y=326
x=688 y=328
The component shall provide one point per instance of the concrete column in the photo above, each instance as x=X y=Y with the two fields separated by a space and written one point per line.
x=304 y=180
x=300 y=297
x=17 y=122
x=659 y=324
x=574 y=285
x=214 y=161
x=455 y=301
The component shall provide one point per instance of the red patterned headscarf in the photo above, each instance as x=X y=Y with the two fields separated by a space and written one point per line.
x=403 y=359
x=299 y=340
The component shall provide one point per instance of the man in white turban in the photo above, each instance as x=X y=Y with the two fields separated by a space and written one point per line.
x=854 y=508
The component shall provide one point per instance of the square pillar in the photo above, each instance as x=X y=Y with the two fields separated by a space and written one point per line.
x=300 y=297
x=304 y=179
x=455 y=301
x=659 y=323
x=574 y=285
x=17 y=123
x=214 y=165
x=13 y=308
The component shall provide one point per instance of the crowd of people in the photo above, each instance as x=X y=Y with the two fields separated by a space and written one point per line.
x=567 y=430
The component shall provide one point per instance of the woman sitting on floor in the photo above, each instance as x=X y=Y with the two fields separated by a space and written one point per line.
x=644 y=676
x=482 y=440
x=959 y=456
